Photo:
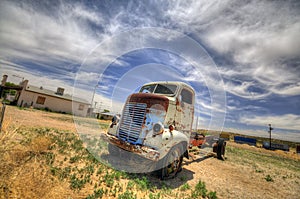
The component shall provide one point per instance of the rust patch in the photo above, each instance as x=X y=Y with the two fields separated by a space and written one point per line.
x=149 y=99
x=178 y=107
x=143 y=151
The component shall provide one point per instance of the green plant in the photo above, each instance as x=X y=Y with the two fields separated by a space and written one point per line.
x=119 y=187
x=212 y=195
x=117 y=175
x=142 y=183
x=166 y=189
x=74 y=159
x=60 y=173
x=130 y=185
x=54 y=170
x=50 y=157
x=90 y=157
x=90 y=169
x=100 y=170
x=77 y=183
x=199 y=190
x=109 y=179
x=268 y=178
x=185 y=187
x=77 y=145
x=97 y=194
x=127 y=195
x=154 y=196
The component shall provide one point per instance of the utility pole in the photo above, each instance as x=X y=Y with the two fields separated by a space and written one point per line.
x=270 y=131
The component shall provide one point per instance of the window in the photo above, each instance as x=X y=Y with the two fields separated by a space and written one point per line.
x=187 y=96
x=40 y=100
x=60 y=91
x=165 y=89
x=148 y=88
x=81 y=107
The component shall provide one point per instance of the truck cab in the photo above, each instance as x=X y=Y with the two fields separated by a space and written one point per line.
x=156 y=124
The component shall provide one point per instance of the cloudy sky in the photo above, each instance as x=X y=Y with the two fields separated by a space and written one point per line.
x=243 y=59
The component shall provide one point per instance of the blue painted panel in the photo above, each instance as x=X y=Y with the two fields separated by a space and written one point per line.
x=275 y=146
x=244 y=140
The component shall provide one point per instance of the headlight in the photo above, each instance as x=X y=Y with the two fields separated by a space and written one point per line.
x=115 y=120
x=158 y=127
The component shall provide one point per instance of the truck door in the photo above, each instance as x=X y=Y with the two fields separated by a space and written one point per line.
x=187 y=110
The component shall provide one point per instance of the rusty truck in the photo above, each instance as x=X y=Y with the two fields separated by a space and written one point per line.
x=156 y=126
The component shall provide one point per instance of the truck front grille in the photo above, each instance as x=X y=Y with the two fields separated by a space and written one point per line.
x=132 y=121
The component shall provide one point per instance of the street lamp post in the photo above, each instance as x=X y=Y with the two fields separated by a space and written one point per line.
x=93 y=95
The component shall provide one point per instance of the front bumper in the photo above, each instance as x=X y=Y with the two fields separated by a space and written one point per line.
x=143 y=151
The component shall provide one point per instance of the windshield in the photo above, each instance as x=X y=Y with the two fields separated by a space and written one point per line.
x=165 y=89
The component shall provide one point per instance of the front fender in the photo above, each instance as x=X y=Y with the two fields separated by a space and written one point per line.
x=112 y=129
x=170 y=139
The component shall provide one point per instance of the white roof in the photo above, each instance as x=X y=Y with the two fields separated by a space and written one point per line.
x=178 y=83
x=54 y=94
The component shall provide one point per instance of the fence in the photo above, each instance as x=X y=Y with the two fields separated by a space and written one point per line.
x=2 y=111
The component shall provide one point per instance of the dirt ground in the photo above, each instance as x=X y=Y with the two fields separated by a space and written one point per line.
x=232 y=179
x=36 y=118
x=236 y=177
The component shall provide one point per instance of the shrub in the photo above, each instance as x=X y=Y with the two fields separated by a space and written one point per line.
x=185 y=187
x=268 y=178
x=212 y=195
x=200 y=190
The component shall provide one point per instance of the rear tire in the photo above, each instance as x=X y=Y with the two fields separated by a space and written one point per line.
x=221 y=149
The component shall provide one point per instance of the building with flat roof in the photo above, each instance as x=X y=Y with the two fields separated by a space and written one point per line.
x=58 y=101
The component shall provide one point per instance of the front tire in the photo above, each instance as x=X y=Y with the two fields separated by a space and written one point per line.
x=171 y=163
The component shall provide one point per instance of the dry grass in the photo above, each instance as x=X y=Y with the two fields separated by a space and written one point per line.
x=39 y=144
x=48 y=163
x=38 y=161
x=32 y=180
x=22 y=173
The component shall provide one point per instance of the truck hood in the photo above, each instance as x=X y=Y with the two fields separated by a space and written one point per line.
x=152 y=100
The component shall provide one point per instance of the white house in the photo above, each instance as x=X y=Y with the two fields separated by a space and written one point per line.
x=38 y=97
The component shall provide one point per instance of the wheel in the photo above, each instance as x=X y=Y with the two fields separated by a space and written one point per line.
x=113 y=150
x=221 y=149
x=171 y=164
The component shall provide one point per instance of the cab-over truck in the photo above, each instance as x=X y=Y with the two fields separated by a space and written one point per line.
x=156 y=125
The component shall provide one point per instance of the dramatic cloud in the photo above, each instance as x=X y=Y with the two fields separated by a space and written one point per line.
x=49 y=40
x=287 y=121
x=255 y=45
